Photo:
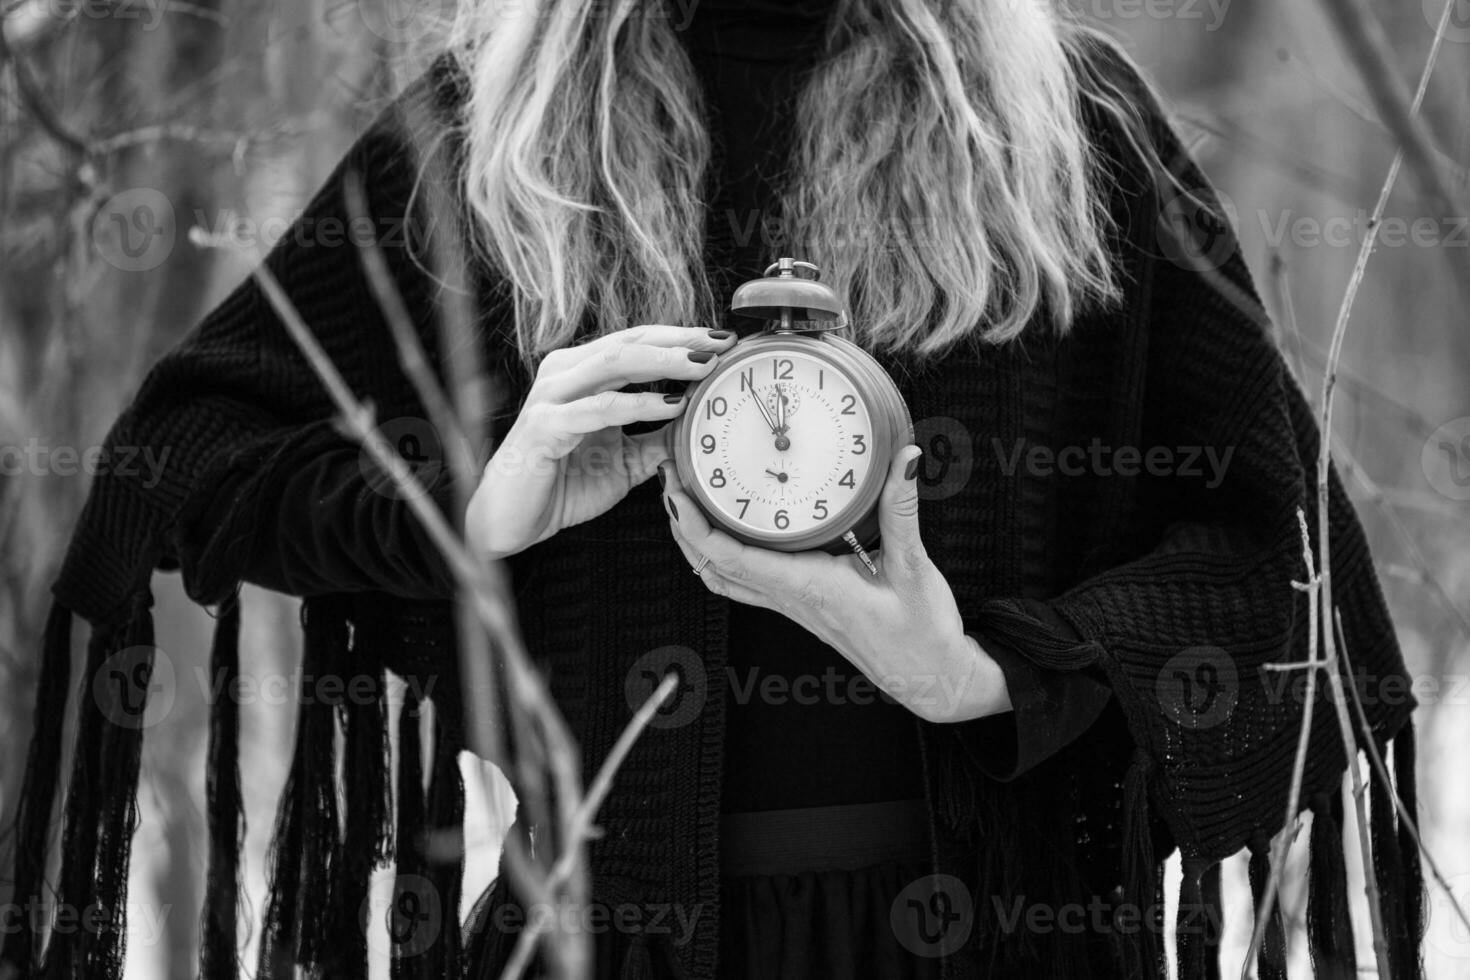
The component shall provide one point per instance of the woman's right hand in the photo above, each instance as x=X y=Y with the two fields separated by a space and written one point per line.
x=566 y=460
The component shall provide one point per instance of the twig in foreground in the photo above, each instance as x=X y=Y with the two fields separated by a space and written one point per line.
x=583 y=817
x=1381 y=770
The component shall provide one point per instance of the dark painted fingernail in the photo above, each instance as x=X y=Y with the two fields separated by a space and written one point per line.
x=675 y=397
x=720 y=334
x=663 y=481
x=673 y=510
x=701 y=356
x=912 y=470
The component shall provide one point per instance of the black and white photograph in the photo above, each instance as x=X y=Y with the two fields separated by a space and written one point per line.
x=734 y=489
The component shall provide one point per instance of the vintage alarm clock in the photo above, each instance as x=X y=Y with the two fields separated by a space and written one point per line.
x=786 y=444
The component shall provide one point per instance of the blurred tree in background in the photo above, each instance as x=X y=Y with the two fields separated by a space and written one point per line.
x=130 y=127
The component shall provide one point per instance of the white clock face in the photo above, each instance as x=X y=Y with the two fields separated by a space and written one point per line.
x=781 y=442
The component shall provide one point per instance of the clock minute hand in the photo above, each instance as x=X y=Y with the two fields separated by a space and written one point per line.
x=765 y=412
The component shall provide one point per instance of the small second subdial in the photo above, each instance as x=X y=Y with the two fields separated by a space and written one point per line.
x=783 y=390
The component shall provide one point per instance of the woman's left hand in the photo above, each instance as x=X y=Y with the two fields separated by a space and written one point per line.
x=901 y=627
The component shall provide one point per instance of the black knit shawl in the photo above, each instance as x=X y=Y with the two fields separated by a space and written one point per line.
x=1147 y=583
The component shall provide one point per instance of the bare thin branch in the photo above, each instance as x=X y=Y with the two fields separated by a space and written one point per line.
x=1381 y=771
x=1364 y=40
x=582 y=822
x=1283 y=839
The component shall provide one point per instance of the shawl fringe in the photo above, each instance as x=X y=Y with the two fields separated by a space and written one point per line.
x=410 y=860
x=324 y=851
x=1271 y=959
x=1329 y=924
x=444 y=850
x=1398 y=889
x=1413 y=892
x=1198 y=924
x=38 y=790
x=219 y=956
x=324 y=854
x=1141 y=870
x=101 y=802
x=305 y=852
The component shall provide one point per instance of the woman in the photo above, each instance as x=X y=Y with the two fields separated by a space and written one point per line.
x=1053 y=682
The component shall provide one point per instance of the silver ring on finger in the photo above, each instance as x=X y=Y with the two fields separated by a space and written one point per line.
x=703 y=561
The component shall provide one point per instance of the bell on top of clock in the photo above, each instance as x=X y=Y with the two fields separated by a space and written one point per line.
x=788 y=297
x=785 y=444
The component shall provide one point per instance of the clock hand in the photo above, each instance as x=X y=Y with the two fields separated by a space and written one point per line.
x=765 y=412
x=783 y=434
x=782 y=443
x=780 y=477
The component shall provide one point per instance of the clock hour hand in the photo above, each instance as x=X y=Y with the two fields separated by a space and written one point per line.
x=782 y=443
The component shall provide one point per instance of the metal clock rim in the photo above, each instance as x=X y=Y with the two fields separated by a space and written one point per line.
x=866 y=374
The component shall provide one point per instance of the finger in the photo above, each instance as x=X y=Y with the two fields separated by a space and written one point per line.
x=609 y=408
x=652 y=334
x=714 y=581
x=645 y=452
x=898 y=513
x=616 y=365
x=807 y=578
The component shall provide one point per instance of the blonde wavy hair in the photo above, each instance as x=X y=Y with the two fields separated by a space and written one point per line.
x=941 y=172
